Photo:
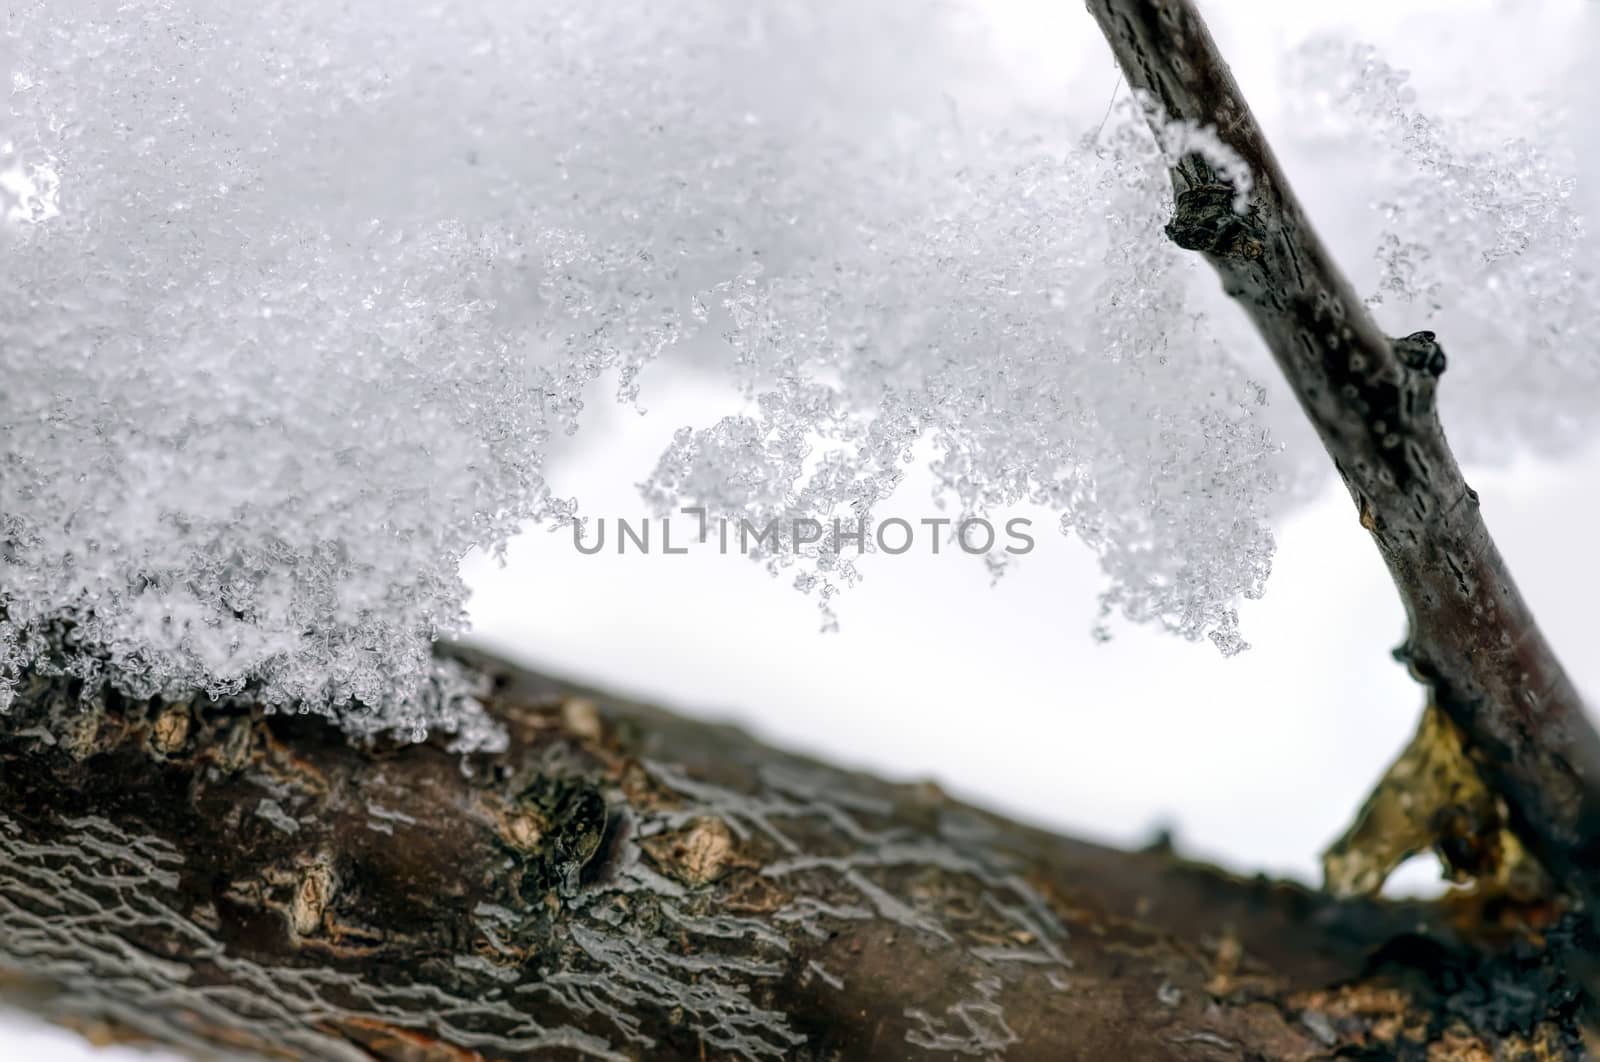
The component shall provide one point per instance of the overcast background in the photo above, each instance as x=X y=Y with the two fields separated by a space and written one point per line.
x=998 y=692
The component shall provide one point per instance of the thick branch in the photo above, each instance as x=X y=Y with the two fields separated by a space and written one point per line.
x=1472 y=637
x=623 y=883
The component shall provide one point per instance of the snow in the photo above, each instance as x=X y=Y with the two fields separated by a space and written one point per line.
x=296 y=310
x=1482 y=241
x=294 y=313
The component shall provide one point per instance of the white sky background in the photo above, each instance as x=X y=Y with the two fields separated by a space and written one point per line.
x=999 y=693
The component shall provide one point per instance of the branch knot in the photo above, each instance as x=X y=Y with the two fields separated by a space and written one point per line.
x=1420 y=352
x=1422 y=362
x=1204 y=219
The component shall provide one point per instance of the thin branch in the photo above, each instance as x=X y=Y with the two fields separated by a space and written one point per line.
x=1472 y=638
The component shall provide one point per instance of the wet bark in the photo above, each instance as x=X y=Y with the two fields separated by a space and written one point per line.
x=621 y=882
x=1473 y=640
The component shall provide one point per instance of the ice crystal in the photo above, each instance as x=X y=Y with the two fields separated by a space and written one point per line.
x=297 y=295
x=1022 y=317
x=1481 y=242
x=1182 y=138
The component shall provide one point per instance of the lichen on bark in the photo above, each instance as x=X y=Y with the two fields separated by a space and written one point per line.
x=624 y=883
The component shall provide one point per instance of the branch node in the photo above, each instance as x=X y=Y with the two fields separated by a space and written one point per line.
x=1203 y=219
x=1420 y=352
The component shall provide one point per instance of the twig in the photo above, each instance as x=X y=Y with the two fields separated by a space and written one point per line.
x=1472 y=637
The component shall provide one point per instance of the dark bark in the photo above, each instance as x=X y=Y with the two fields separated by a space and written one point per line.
x=1472 y=639
x=622 y=882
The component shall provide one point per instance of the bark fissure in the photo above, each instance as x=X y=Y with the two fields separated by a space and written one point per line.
x=622 y=883
x=1473 y=639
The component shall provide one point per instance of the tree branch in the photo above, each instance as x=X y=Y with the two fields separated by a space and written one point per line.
x=1472 y=638
x=621 y=883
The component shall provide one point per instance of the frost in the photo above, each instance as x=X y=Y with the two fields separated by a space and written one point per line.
x=293 y=309
x=1180 y=138
x=1481 y=242
x=1023 y=319
x=297 y=296
x=29 y=192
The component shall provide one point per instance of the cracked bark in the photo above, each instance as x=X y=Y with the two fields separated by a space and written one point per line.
x=1473 y=640
x=624 y=883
